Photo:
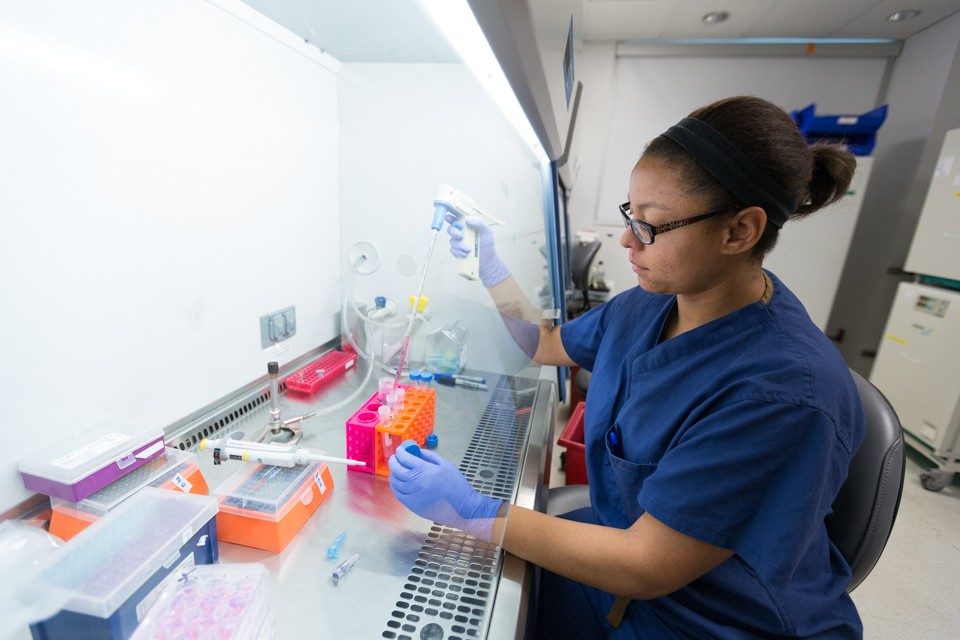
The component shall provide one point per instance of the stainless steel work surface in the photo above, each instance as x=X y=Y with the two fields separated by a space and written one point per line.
x=414 y=579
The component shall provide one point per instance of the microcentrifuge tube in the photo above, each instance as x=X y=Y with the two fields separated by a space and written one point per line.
x=344 y=568
x=334 y=549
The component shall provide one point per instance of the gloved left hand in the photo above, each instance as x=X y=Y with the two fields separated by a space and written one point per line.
x=434 y=489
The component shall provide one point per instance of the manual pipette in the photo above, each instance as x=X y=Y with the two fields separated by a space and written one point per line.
x=277 y=454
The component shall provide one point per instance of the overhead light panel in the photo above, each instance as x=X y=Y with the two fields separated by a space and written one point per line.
x=715 y=17
x=905 y=14
x=456 y=21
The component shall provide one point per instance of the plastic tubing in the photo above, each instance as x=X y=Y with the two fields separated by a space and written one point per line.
x=367 y=321
x=366 y=377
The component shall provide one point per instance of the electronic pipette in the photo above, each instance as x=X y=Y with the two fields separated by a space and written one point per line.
x=449 y=200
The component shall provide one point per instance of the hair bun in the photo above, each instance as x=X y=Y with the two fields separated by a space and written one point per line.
x=833 y=168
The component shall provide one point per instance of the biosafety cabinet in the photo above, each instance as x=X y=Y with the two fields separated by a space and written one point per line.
x=196 y=188
x=917 y=369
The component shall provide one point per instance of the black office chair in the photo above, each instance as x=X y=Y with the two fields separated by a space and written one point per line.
x=866 y=506
x=580 y=262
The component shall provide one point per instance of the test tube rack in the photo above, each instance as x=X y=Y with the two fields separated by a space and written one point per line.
x=321 y=373
x=366 y=434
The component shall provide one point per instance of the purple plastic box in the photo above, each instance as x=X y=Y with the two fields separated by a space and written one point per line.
x=79 y=466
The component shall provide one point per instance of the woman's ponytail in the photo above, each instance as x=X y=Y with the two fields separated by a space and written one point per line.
x=833 y=168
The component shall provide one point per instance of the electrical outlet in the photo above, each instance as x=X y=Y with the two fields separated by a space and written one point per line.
x=277 y=326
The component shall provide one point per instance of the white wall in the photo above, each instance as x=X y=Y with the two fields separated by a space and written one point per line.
x=405 y=129
x=924 y=104
x=647 y=95
x=169 y=173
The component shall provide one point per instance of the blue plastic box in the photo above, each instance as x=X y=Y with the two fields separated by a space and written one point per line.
x=116 y=568
x=857 y=132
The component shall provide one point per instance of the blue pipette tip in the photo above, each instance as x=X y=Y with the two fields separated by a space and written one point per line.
x=334 y=549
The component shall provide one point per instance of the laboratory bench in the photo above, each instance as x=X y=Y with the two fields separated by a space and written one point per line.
x=414 y=579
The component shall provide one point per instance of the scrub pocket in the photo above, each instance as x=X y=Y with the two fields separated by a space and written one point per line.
x=629 y=478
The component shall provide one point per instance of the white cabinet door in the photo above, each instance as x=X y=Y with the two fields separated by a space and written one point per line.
x=918 y=363
x=811 y=252
x=935 y=249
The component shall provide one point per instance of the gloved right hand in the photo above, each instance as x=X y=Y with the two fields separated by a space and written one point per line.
x=433 y=488
x=492 y=269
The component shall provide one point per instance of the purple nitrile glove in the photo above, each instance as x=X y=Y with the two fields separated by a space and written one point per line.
x=492 y=269
x=434 y=489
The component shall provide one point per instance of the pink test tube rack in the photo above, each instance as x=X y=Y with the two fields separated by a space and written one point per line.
x=321 y=373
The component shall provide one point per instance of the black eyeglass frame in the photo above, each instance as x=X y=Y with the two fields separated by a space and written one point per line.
x=654 y=230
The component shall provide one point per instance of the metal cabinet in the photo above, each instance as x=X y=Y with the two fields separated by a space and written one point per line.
x=917 y=368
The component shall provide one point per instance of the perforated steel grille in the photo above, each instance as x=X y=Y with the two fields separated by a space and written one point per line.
x=213 y=425
x=448 y=590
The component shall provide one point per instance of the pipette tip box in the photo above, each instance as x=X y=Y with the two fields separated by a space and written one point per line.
x=321 y=373
x=81 y=464
x=117 y=567
x=226 y=602
x=265 y=506
x=174 y=469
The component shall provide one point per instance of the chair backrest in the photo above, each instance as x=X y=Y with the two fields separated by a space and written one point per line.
x=582 y=257
x=866 y=506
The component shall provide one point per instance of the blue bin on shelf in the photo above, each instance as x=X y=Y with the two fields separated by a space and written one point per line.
x=857 y=132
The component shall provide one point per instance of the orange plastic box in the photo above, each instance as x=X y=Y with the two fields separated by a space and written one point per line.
x=572 y=439
x=265 y=506
x=173 y=469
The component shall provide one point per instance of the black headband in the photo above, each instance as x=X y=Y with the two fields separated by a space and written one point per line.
x=733 y=169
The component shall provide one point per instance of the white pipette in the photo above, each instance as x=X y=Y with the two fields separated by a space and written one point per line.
x=278 y=454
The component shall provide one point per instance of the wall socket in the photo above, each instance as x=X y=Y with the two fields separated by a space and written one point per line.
x=277 y=326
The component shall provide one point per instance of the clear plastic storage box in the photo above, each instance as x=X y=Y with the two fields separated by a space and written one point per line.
x=172 y=469
x=212 y=602
x=79 y=465
x=115 y=569
x=265 y=506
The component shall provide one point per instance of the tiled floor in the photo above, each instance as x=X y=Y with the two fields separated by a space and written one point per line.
x=914 y=591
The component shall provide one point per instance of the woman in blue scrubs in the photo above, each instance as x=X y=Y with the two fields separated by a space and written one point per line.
x=721 y=421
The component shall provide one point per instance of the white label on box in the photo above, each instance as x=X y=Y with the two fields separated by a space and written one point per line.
x=182 y=483
x=151 y=598
x=89 y=452
x=848 y=120
x=149 y=451
x=320 y=483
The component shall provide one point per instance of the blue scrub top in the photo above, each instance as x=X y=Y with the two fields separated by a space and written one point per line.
x=738 y=433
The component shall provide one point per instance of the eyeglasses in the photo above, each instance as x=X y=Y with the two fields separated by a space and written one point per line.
x=646 y=232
